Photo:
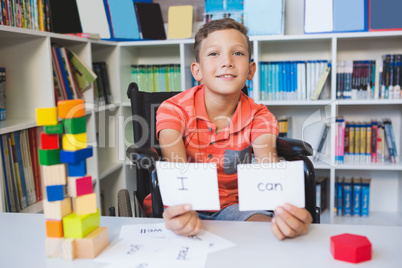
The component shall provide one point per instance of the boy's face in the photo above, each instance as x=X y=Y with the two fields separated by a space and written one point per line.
x=224 y=63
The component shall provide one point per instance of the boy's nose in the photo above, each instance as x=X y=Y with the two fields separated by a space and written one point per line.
x=227 y=62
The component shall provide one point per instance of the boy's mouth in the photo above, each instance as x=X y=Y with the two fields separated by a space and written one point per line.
x=226 y=76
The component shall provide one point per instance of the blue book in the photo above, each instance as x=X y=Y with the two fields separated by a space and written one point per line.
x=21 y=166
x=122 y=18
x=262 y=80
x=5 y=176
x=365 y=197
x=63 y=73
x=347 y=196
x=264 y=17
x=357 y=195
x=277 y=82
x=268 y=78
x=339 y=196
x=350 y=16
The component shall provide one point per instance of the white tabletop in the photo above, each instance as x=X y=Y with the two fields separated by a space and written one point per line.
x=22 y=244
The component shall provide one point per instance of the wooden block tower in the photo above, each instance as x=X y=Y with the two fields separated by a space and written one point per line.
x=72 y=217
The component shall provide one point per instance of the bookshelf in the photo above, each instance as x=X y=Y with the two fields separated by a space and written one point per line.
x=26 y=54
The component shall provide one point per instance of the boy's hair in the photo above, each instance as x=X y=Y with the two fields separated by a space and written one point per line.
x=217 y=25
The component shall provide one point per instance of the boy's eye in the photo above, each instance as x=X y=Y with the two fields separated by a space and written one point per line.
x=238 y=53
x=212 y=54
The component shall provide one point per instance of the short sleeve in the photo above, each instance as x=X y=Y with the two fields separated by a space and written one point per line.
x=170 y=116
x=263 y=122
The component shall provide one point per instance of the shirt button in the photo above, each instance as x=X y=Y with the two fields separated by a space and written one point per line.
x=212 y=142
x=209 y=129
x=210 y=156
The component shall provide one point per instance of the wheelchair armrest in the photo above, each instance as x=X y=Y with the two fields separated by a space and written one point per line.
x=143 y=156
x=290 y=148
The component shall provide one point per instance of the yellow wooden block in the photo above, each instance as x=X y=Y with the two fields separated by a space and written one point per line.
x=71 y=108
x=53 y=247
x=78 y=226
x=74 y=142
x=46 y=116
x=54 y=174
x=84 y=204
x=56 y=210
x=68 y=249
x=91 y=245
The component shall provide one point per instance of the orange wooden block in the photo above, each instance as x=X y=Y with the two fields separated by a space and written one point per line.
x=71 y=108
x=54 y=228
x=84 y=204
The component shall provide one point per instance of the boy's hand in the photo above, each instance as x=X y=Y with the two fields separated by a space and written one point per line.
x=182 y=220
x=290 y=221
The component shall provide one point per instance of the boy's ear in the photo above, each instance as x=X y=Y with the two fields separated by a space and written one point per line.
x=251 y=70
x=196 y=71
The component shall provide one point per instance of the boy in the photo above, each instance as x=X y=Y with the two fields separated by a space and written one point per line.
x=216 y=122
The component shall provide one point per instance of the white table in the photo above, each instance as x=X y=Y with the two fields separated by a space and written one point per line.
x=22 y=244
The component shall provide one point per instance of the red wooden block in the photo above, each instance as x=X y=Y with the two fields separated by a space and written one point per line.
x=49 y=141
x=84 y=185
x=351 y=248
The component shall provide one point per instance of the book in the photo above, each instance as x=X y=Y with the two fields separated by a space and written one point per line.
x=6 y=189
x=13 y=176
x=322 y=193
x=339 y=200
x=33 y=142
x=347 y=197
x=390 y=141
x=64 y=16
x=350 y=16
x=123 y=20
x=264 y=17
x=322 y=142
x=3 y=94
x=383 y=15
x=318 y=16
x=83 y=75
x=27 y=164
x=93 y=36
x=180 y=22
x=93 y=18
x=365 y=198
x=320 y=82
x=357 y=196
x=63 y=72
x=75 y=91
x=150 y=20
x=15 y=138
x=283 y=123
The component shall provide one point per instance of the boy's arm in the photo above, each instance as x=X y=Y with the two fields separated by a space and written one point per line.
x=180 y=219
x=264 y=148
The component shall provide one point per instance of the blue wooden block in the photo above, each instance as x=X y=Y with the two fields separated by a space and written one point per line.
x=75 y=156
x=55 y=192
x=77 y=169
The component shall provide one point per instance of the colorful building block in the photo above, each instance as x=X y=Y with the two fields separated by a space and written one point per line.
x=84 y=204
x=78 y=186
x=75 y=156
x=78 y=169
x=56 y=129
x=71 y=108
x=57 y=210
x=351 y=248
x=78 y=226
x=46 y=116
x=49 y=141
x=91 y=245
x=49 y=157
x=75 y=125
x=55 y=192
x=74 y=142
x=54 y=174
x=54 y=228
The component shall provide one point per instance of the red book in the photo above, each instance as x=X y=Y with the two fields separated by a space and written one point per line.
x=33 y=147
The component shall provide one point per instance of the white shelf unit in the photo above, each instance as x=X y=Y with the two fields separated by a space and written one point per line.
x=26 y=54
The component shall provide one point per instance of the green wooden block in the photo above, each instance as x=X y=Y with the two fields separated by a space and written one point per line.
x=75 y=226
x=75 y=125
x=49 y=157
x=56 y=129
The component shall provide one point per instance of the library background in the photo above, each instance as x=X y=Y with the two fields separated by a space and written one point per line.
x=329 y=70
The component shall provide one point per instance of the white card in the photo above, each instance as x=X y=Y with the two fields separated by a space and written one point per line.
x=266 y=186
x=189 y=183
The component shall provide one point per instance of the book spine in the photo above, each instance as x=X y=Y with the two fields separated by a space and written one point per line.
x=346 y=142
x=347 y=190
x=339 y=197
x=357 y=193
x=7 y=187
x=3 y=94
x=365 y=206
x=389 y=142
x=368 y=143
x=374 y=133
x=18 y=155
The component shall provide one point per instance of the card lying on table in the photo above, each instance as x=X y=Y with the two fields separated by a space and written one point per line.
x=189 y=183
x=266 y=186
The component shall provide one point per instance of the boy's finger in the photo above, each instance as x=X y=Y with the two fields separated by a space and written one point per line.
x=301 y=214
x=174 y=211
x=276 y=231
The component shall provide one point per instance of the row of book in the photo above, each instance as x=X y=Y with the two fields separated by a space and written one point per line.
x=20 y=171
x=369 y=79
x=352 y=196
x=102 y=90
x=157 y=78
x=3 y=94
x=29 y=14
x=365 y=142
x=293 y=80
x=71 y=76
